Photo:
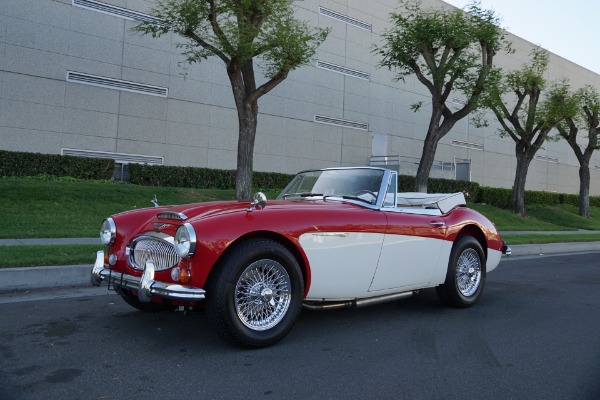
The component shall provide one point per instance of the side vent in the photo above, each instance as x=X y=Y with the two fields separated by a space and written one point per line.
x=122 y=158
x=171 y=215
x=547 y=159
x=345 y=18
x=343 y=70
x=344 y=123
x=115 y=11
x=111 y=83
x=468 y=145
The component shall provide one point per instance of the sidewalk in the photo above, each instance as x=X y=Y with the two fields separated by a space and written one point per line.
x=63 y=276
x=49 y=241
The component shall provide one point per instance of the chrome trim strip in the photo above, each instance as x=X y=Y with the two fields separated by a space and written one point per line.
x=146 y=285
x=437 y=224
x=336 y=234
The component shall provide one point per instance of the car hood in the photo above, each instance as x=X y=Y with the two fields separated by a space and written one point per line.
x=196 y=211
x=166 y=219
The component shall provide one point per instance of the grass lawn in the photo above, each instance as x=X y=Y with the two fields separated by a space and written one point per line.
x=34 y=208
x=506 y=220
x=43 y=208
x=566 y=215
x=27 y=256
x=540 y=239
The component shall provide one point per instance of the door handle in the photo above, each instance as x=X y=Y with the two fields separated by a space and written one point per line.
x=437 y=224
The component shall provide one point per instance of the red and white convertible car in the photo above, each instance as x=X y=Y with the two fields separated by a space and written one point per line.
x=337 y=237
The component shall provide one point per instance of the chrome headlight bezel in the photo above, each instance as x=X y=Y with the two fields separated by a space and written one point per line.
x=108 y=231
x=185 y=240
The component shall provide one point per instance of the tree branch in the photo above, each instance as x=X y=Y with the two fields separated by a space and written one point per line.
x=192 y=35
x=217 y=28
x=502 y=121
x=415 y=67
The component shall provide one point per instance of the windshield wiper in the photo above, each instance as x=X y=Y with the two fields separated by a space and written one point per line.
x=302 y=194
x=348 y=197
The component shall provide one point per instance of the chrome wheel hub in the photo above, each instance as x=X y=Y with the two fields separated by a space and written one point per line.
x=262 y=295
x=468 y=272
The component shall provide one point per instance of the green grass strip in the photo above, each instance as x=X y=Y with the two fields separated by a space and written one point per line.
x=554 y=238
x=27 y=256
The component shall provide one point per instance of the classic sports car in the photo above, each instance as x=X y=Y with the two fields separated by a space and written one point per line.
x=339 y=237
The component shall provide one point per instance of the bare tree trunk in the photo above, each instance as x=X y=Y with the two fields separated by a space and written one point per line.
x=518 y=192
x=426 y=162
x=247 y=118
x=584 y=190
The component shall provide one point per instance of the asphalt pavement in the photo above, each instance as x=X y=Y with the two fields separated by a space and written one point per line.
x=63 y=276
x=532 y=335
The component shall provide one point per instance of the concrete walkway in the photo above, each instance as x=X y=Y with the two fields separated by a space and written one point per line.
x=49 y=241
x=70 y=276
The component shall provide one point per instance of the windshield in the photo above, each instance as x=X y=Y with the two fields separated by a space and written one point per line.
x=356 y=184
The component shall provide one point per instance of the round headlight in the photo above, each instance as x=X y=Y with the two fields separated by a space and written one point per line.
x=108 y=231
x=185 y=240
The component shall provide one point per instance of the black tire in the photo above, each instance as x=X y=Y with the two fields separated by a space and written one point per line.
x=255 y=295
x=465 y=278
x=134 y=302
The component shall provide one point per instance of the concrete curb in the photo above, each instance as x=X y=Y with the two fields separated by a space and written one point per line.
x=55 y=277
x=553 y=248
x=27 y=278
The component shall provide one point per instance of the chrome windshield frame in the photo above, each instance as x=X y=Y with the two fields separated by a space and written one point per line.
x=387 y=177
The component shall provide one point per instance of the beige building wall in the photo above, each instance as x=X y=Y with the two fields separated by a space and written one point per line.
x=189 y=118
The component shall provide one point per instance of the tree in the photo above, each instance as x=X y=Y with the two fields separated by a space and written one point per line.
x=537 y=108
x=239 y=32
x=448 y=51
x=587 y=119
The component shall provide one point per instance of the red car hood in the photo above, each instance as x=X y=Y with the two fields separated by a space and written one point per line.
x=197 y=211
x=135 y=222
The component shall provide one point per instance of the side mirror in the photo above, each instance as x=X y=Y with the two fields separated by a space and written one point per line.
x=259 y=201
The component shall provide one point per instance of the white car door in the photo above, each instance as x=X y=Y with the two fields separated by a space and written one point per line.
x=411 y=251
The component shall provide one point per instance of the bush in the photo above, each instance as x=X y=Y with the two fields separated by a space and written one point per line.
x=573 y=199
x=201 y=178
x=406 y=183
x=538 y=197
x=496 y=197
x=502 y=198
x=14 y=163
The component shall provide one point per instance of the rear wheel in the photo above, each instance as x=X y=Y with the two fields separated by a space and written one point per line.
x=255 y=296
x=465 y=277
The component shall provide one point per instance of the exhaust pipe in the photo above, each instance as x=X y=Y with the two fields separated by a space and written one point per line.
x=356 y=303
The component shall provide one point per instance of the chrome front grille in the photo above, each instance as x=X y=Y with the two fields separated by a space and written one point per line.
x=160 y=251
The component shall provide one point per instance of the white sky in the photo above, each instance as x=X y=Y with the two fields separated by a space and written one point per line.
x=567 y=28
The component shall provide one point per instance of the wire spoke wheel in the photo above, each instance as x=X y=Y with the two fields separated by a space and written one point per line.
x=465 y=277
x=255 y=295
x=468 y=272
x=262 y=294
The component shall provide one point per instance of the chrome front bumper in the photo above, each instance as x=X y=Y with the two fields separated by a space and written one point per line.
x=145 y=285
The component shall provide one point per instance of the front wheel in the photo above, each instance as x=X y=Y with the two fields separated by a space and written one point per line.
x=465 y=277
x=255 y=296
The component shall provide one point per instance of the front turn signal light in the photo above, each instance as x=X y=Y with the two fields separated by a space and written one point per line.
x=184 y=276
